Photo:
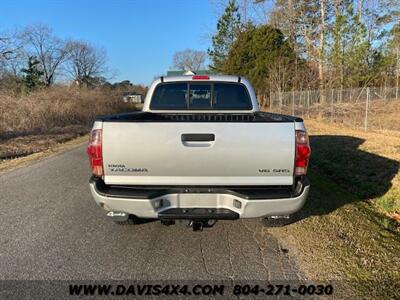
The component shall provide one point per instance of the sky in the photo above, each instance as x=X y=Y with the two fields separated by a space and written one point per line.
x=140 y=37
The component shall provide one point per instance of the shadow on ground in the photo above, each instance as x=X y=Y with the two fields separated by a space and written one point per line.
x=364 y=175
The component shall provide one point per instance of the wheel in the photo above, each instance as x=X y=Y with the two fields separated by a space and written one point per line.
x=168 y=222
x=277 y=222
x=132 y=220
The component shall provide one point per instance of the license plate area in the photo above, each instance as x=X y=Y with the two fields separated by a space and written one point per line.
x=202 y=213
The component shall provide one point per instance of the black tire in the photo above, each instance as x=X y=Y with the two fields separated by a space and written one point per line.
x=273 y=222
x=133 y=220
x=127 y=222
x=168 y=222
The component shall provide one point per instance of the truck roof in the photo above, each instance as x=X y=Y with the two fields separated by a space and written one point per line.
x=224 y=78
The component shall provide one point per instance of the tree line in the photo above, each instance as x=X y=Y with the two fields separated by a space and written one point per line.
x=309 y=44
x=35 y=57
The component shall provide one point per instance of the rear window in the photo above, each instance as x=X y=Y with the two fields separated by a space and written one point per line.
x=200 y=96
x=170 y=96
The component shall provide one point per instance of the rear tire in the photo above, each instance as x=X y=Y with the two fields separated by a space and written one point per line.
x=133 y=220
x=274 y=222
x=127 y=222
x=130 y=221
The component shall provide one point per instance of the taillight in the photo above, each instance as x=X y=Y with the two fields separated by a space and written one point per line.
x=303 y=152
x=200 y=77
x=94 y=150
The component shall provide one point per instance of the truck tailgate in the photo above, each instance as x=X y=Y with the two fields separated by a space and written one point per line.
x=198 y=153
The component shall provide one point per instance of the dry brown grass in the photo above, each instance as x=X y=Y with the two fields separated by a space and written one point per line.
x=33 y=122
x=376 y=154
x=342 y=234
x=55 y=107
x=382 y=115
x=51 y=148
x=384 y=143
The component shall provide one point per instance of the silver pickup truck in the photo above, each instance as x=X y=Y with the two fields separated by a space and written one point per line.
x=200 y=150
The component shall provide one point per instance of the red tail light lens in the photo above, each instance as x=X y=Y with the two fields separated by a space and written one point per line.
x=303 y=152
x=94 y=150
x=200 y=77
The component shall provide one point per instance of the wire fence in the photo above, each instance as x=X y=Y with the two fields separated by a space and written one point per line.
x=376 y=108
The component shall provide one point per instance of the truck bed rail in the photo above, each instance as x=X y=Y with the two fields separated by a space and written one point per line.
x=261 y=117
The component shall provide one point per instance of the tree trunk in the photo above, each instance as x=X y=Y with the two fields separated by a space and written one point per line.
x=291 y=25
x=321 y=54
x=360 y=8
x=397 y=72
x=339 y=64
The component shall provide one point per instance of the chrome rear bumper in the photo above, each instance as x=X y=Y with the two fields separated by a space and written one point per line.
x=157 y=206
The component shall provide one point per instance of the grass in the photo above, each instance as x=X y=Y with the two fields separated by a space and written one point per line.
x=364 y=163
x=34 y=122
x=50 y=150
x=27 y=144
x=58 y=106
x=382 y=114
x=343 y=233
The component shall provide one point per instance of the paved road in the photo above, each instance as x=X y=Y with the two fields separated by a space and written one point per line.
x=52 y=229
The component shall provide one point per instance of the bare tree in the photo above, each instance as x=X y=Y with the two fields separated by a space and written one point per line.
x=189 y=59
x=10 y=51
x=49 y=49
x=312 y=25
x=6 y=49
x=85 y=61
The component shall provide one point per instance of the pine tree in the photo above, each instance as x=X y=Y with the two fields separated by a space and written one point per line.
x=263 y=55
x=343 y=12
x=357 y=56
x=227 y=29
x=33 y=76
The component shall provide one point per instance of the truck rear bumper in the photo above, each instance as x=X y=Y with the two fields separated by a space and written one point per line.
x=177 y=204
